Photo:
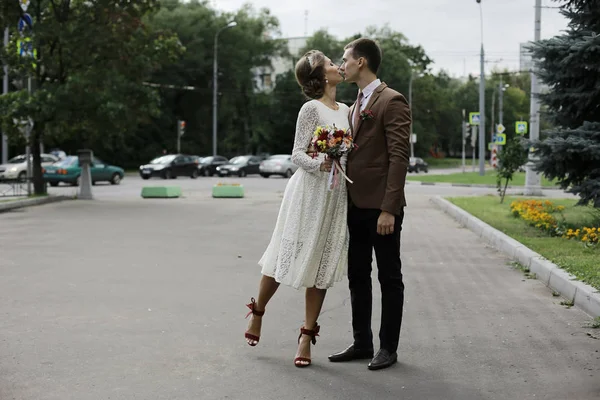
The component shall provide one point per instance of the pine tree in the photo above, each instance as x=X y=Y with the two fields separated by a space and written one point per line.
x=570 y=65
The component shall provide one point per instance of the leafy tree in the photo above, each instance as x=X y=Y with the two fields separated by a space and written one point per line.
x=570 y=65
x=88 y=75
x=243 y=111
x=510 y=159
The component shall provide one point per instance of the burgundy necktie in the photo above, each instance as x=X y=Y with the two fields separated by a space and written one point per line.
x=359 y=100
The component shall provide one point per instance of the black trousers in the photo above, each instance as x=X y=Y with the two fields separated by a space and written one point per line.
x=362 y=224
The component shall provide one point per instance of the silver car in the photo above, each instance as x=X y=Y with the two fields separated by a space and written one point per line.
x=280 y=164
x=16 y=168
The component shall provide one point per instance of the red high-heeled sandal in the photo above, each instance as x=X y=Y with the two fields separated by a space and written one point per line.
x=298 y=361
x=253 y=310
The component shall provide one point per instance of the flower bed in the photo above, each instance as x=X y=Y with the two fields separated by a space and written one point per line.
x=548 y=217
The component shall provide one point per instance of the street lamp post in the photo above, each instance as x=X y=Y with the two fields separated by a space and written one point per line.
x=532 y=178
x=481 y=101
x=216 y=83
x=5 y=91
x=410 y=103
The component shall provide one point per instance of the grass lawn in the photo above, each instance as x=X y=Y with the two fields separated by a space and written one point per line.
x=473 y=178
x=570 y=255
x=443 y=162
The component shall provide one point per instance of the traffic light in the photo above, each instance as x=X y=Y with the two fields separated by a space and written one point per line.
x=181 y=128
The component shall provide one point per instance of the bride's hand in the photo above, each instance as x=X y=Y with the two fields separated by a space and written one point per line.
x=326 y=165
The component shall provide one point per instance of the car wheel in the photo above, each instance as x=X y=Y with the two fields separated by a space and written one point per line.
x=265 y=175
x=206 y=172
x=242 y=173
x=166 y=174
x=194 y=174
x=22 y=176
x=116 y=179
x=54 y=184
x=288 y=173
x=426 y=170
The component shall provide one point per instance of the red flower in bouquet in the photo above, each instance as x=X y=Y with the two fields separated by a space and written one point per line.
x=335 y=143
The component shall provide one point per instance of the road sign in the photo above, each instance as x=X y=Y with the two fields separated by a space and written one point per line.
x=494 y=156
x=500 y=128
x=24 y=4
x=25 y=48
x=474 y=118
x=25 y=22
x=490 y=146
x=521 y=127
x=413 y=138
x=500 y=138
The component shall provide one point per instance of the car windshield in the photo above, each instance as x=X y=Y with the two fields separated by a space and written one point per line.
x=163 y=160
x=17 y=160
x=67 y=162
x=206 y=160
x=238 y=160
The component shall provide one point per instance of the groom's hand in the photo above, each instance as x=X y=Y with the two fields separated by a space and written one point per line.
x=385 y=223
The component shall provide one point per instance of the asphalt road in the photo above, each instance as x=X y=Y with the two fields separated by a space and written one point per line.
x=126 y=298
x=255 y=186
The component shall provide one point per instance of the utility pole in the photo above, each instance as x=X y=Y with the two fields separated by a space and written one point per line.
x=464 y=138
x=4 y=92
x=481 y=101
x=532 y=178
x=216 y=82
x=410 y=91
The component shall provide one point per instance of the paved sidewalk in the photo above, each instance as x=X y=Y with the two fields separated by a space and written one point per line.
x=145 y=300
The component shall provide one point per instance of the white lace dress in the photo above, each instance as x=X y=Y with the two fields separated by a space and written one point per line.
x=309 y=246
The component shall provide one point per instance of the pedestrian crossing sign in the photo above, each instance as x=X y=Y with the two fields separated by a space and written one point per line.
x=521 y=127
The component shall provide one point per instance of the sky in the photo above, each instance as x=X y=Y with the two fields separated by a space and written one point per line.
x=448 y=30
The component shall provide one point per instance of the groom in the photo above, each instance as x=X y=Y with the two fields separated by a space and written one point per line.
x=380 y=122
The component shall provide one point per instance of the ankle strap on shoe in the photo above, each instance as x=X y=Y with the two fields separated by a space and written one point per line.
x=253 y=310
x=312 y=333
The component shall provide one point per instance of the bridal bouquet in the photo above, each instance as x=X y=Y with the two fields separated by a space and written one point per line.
x=334 y=142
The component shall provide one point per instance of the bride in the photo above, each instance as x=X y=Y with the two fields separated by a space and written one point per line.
x=309 y=246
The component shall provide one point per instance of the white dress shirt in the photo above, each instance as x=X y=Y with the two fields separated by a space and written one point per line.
x=367 y=92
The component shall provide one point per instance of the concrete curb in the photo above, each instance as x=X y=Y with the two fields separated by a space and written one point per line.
x=582 y=295
x=470 y=185
x=13 y=205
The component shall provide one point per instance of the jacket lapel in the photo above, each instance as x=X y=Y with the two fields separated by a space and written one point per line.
x=350 y=118
x=372 y=101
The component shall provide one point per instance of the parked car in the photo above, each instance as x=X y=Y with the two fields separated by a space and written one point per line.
x=417 y=164
x=279 y=164
x=240 y=166
x=171 y=166
x=69 y=171
x=16 y=168
x=208 y=165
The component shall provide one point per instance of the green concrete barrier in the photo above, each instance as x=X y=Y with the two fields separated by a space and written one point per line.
x=161 y=192
x=222 y=190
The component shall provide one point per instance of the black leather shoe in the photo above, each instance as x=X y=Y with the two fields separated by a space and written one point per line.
x=351 y=354
x=383 y=359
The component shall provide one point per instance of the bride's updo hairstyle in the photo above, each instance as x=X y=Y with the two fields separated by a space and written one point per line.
x=310 y=74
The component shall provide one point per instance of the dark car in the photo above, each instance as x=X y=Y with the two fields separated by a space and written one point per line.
x=170 y=167
x=417 y=164
x=208 y=165
x=241 y=166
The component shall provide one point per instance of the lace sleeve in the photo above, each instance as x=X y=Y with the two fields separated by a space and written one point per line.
x=308 y=118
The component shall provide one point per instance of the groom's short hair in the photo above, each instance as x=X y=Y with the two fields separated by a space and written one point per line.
x=369 y=50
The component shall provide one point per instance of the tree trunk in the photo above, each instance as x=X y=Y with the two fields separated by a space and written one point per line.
x=504 y=192
x=39 y=186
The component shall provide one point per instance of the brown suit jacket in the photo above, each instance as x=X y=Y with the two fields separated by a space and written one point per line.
x=379 y=163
